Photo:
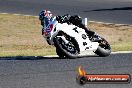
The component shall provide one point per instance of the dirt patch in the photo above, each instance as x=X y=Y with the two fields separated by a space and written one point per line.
x=114 y=33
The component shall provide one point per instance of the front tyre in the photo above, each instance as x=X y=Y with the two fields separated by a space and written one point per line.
x=59 y=53
x=68 y=49
x=103 y=49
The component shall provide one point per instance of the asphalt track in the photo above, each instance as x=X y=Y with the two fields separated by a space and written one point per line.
x=112 y=11
x=53 y=72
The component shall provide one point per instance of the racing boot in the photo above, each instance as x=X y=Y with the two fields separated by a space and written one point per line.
x=94 y=37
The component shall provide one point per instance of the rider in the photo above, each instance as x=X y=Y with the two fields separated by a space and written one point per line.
x=45 y=17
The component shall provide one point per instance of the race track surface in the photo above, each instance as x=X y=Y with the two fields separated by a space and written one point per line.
x=113 y=11
x=54 y=72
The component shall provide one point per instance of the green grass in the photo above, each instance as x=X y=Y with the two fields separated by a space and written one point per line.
x=28 y=52
x=21 y=36
x=122 y=47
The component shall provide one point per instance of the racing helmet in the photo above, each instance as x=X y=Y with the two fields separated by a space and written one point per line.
x=45 y=16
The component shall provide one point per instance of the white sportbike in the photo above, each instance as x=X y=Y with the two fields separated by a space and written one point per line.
x=71 y=40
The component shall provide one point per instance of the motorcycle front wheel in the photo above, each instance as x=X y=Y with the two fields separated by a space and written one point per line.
x=60 y=54
x=68 y=50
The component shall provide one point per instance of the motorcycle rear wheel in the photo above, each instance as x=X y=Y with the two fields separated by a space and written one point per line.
x=104 y=48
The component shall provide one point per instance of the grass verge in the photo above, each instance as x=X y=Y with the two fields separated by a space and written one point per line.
x=21 y=36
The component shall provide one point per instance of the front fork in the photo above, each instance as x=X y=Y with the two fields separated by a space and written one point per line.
x=64 y=39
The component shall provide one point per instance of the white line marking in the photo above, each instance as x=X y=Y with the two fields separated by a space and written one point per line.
x=36 y=16
x=118 y=52
x=111 y=23
x=3 y=13
x=17 y=14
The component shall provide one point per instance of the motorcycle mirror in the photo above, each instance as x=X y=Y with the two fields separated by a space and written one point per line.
x=85 y=21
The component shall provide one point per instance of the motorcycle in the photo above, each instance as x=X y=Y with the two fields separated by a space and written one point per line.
x=70 y=40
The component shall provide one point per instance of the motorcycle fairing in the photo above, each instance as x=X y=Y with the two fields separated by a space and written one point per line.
x=78 y=34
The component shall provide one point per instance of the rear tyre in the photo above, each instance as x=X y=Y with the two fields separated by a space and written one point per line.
x=104 y=48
